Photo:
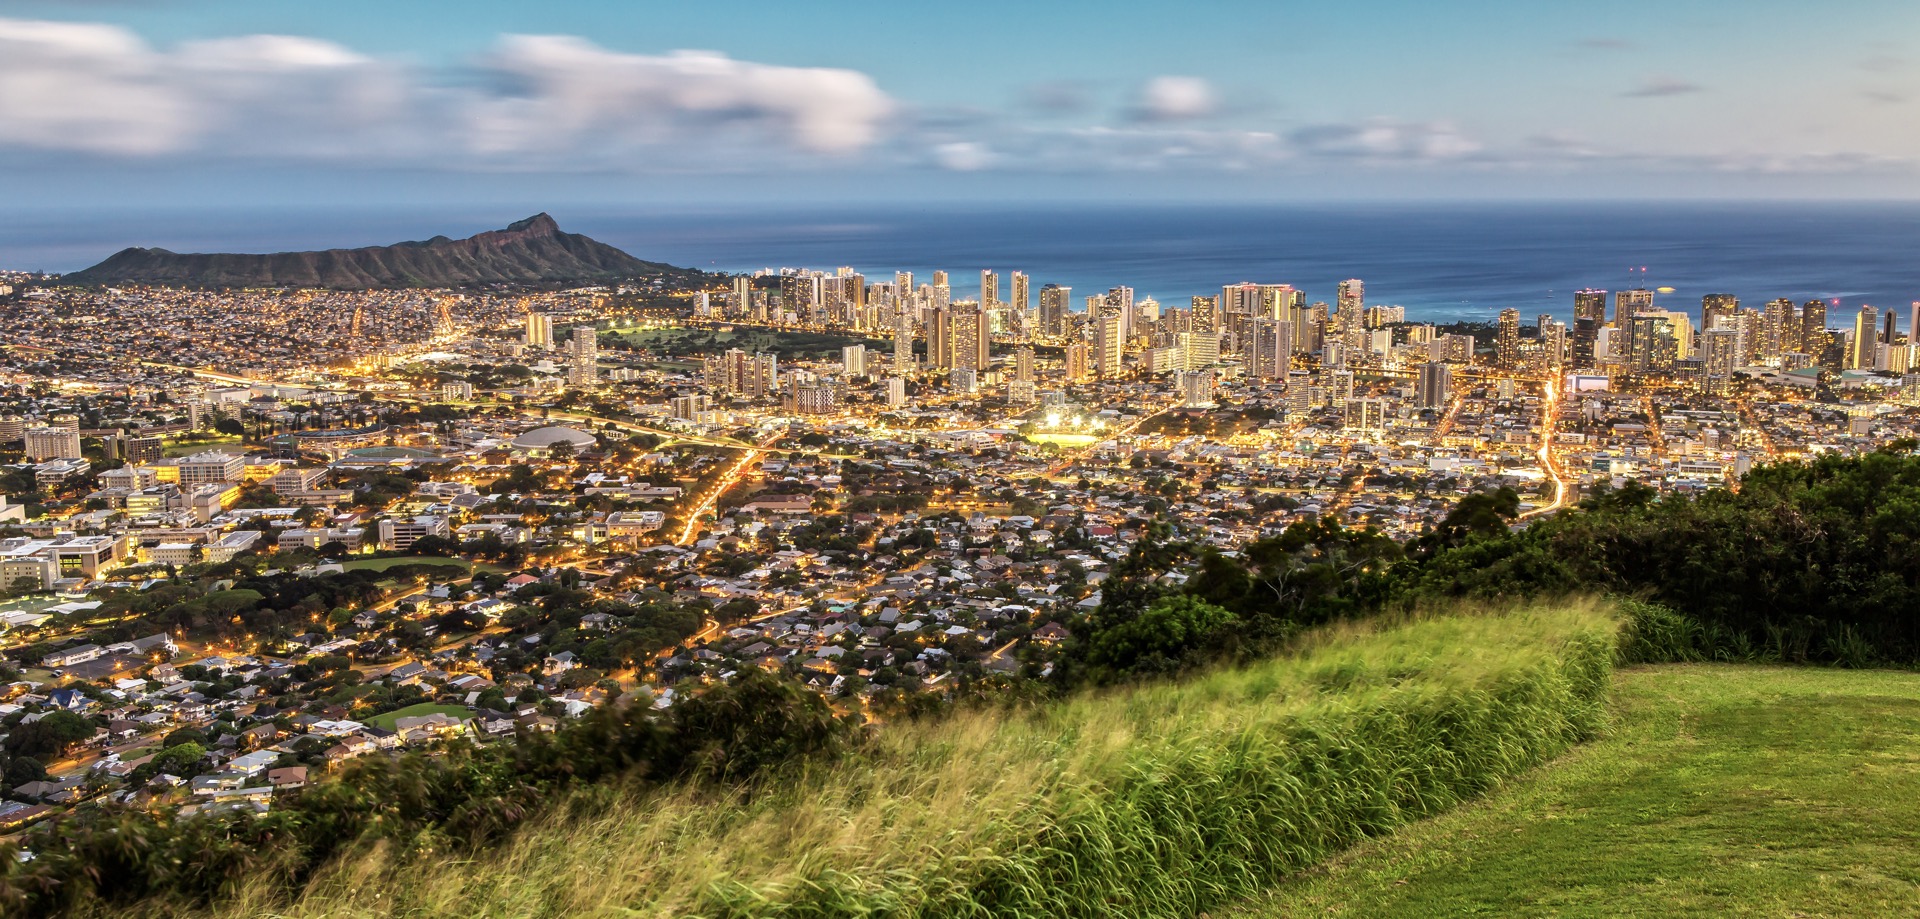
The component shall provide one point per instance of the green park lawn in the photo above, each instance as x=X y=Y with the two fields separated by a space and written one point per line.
x=1720 y=790
x=188 y=448
x=385 y=722
x=382 y=564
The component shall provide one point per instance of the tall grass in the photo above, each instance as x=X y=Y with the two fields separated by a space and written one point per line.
x=1159 y=800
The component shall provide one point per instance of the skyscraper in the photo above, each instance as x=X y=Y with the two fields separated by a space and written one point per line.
x=903 y=360
x=1436 y=384
x=1077 y=362
x=1352 y=295
x=1589 y=315
x=540 y=331
x=989 y=289
x=1020 y=301
x=1055 y=303
x=583 y=364
x=1813 y=328
x=1864 y=353
x=1206 y=314
x=940 y=339
x=1107 y=345
x=1023 y=365
x=1717 y=308
x=970 y=337
x=1781 y=328
x=1507 y=342
x=1269 y=353
x=1630 y=303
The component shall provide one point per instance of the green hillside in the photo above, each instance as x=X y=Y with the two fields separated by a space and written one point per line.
x=1721 y=790
x=1155 y=800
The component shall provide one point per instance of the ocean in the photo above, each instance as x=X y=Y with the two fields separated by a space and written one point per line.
x=1442 y=262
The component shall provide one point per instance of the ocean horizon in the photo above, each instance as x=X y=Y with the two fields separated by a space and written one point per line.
x=1443 y=262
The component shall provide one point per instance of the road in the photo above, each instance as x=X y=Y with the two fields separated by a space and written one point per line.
x=1549 y=415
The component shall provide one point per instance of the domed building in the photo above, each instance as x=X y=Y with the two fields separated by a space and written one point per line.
x=541 y=441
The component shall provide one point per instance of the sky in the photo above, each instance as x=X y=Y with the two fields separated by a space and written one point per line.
x=204 y=103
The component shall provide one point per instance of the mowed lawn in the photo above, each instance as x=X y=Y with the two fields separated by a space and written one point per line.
x=382 y=564
x=1720 y=790
x=385 y=722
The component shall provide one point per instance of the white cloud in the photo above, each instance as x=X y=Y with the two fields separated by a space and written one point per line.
x=963 y=156
x=571 y=87
x=556 y=101
x=1171 y=98
x=1385 y=139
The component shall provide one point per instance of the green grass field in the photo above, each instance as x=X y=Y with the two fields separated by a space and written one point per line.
x=382 y=564
x=1720 y=790
x=1163 y=799
x=385 y=722
x=188 y=448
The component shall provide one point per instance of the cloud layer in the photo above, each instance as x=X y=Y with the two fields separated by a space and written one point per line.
x=547 y=100
x=562 y=104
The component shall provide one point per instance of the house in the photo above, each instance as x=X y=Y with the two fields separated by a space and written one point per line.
x=556 y=664
x=287 y=777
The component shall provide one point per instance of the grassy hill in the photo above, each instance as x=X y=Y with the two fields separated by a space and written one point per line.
x=1720 y=790
x=1154 y=800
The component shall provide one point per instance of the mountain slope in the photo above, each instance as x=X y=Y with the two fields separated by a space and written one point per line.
x=531 y=251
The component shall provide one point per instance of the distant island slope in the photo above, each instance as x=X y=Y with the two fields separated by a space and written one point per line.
x=531 y=251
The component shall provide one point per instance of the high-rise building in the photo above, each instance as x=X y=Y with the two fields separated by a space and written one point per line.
x=940 y=338
x=1716 y=309
x=742 y=296
x=1119 y=300
x=1023 y=365
x=1507 y=341
x=1077 y=362
x=1269 y=350
x=853 y=360
x=1055 y=303
x=1108 y=344
x=971 y=339
x=1196 y=387
x=1863 y=354
x=1206 y=314
x=1590 y=304
x=903 y=344
x=52 y=443
x=583 y=363
x=989 y=289
x=1020 y=301
x=1813 y=328
x=1655 y=341
x=1351 y=297
x=1436 y=385
x=1198 y=349
x=1720 y=352
x=1780 y=329
x=1589 y=317
x=540 y=331
x=1630 y=303
x=896 y=392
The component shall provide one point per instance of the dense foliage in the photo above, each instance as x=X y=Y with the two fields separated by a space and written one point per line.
x=1806 y=561
x=456 y=798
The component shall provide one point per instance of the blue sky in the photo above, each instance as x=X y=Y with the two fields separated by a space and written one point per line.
x=129 y=103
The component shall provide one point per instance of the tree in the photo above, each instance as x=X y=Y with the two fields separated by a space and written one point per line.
x=230 y=427
x=1174 y=633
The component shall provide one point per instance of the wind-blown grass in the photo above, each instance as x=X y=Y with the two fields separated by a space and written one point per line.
x=1158 y=800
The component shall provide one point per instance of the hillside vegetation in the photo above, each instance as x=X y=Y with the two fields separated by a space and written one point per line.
x=1720 y=790
x=1153 y=800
